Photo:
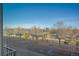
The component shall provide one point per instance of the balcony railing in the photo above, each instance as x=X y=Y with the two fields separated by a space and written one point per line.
x=9 y=51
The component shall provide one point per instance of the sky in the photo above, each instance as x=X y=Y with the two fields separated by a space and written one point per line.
x=40 y=14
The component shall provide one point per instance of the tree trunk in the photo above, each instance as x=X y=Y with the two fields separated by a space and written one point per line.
x=59 y=41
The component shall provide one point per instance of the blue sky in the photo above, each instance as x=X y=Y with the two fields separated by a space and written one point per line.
x=44 y=15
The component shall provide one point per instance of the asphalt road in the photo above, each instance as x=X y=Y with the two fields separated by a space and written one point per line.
x=21 y=47
x=34 y=48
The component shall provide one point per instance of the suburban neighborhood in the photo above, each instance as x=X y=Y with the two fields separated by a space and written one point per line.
x=61 y=36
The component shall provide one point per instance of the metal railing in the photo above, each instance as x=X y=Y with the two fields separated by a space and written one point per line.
x=9 y=51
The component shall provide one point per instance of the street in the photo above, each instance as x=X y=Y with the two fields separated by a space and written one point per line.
x=35 y=48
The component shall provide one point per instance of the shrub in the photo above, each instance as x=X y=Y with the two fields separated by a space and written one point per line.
x=66 y=41
x=77 y=43
x=26 y=35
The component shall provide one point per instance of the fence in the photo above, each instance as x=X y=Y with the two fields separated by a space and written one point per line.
x=9 y=51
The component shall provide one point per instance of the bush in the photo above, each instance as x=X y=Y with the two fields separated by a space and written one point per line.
x=26 y=35
x=66 y=42
x=77 y=43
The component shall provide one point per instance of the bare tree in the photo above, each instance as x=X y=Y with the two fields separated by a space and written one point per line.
x=60 y=30
x=76 y=33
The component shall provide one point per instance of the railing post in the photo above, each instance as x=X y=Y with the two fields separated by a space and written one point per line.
x=10 y=52
x=14 y=53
